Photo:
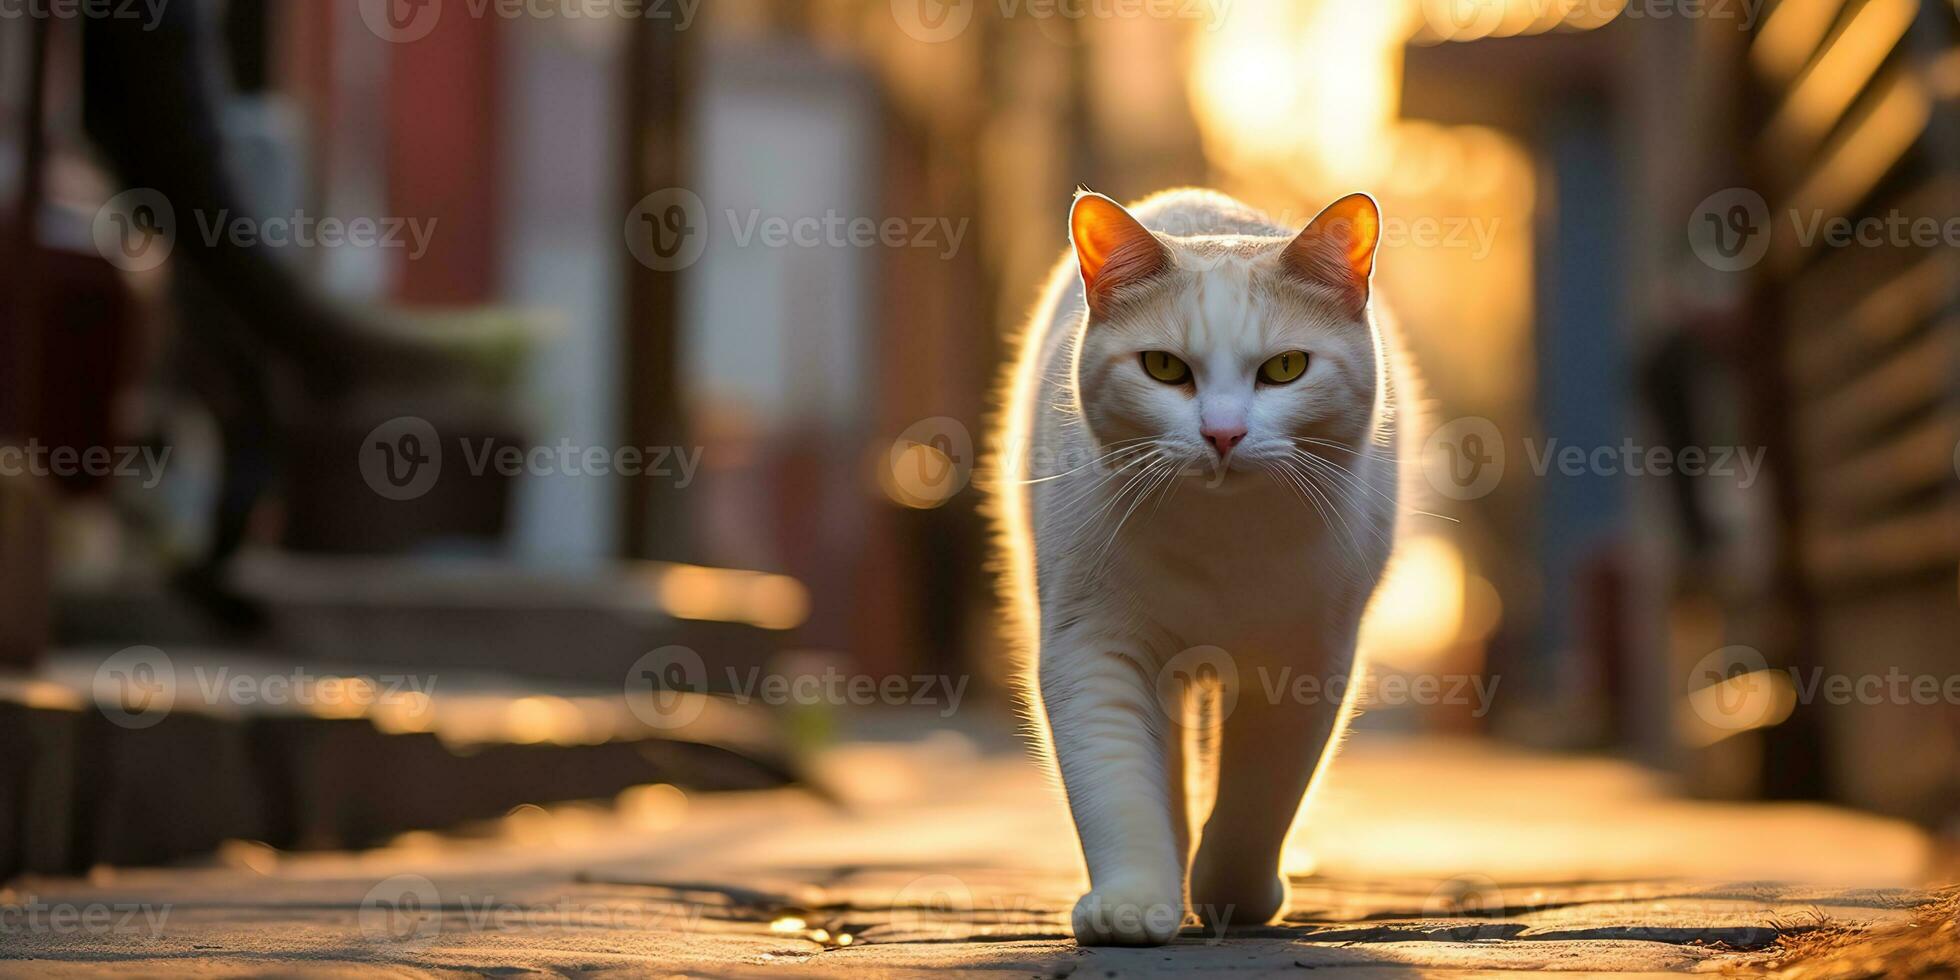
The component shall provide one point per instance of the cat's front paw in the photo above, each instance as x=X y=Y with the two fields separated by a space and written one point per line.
x=1128 y=914
x=1244 y=899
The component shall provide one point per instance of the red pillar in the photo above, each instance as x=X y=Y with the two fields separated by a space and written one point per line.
x=443 y=143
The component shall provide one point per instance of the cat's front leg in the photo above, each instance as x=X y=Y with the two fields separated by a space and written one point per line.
x=1270 y=752
x=1109 y=729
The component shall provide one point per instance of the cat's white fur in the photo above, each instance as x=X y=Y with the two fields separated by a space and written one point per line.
x=1128 y=553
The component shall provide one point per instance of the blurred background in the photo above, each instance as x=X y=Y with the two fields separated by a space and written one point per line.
x=493 y=386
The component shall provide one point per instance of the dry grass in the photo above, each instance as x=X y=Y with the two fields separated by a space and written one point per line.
x=1927 y=946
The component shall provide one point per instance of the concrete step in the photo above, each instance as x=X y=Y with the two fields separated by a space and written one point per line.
x=122 y=758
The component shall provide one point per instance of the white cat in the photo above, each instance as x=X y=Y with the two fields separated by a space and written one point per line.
x=1199 y=451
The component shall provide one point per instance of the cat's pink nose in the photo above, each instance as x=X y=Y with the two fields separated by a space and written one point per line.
x=1223 y=437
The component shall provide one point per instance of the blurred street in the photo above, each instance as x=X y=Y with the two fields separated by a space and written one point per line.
x=1434 y=856
x=506 y=487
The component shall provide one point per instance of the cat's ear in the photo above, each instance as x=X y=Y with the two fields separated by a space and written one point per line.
x=1112 y=248
x=1337 y=249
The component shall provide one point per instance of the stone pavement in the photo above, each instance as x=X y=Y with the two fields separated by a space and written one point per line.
x=1422 y=857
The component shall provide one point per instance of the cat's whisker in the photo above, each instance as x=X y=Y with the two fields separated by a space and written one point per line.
x=1083 y=495
x=1340 y=472
x=1306 y=492
x=1345 y=473
x=1134 y=446
x=1108 y=506
x=1376 y=453
x=1351 y=545
x=1166 y=471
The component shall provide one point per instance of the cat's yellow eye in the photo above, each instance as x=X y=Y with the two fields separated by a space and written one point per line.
x=1165 y=367
x=1282 y=368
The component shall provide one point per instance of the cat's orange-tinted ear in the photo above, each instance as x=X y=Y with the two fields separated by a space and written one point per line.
x=1337 y=248
x=1112 y=248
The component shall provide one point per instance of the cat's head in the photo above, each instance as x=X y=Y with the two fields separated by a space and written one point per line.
x=1228 y=353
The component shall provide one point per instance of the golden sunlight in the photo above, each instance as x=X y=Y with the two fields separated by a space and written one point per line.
x=1418 y=613
x=729 y=595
